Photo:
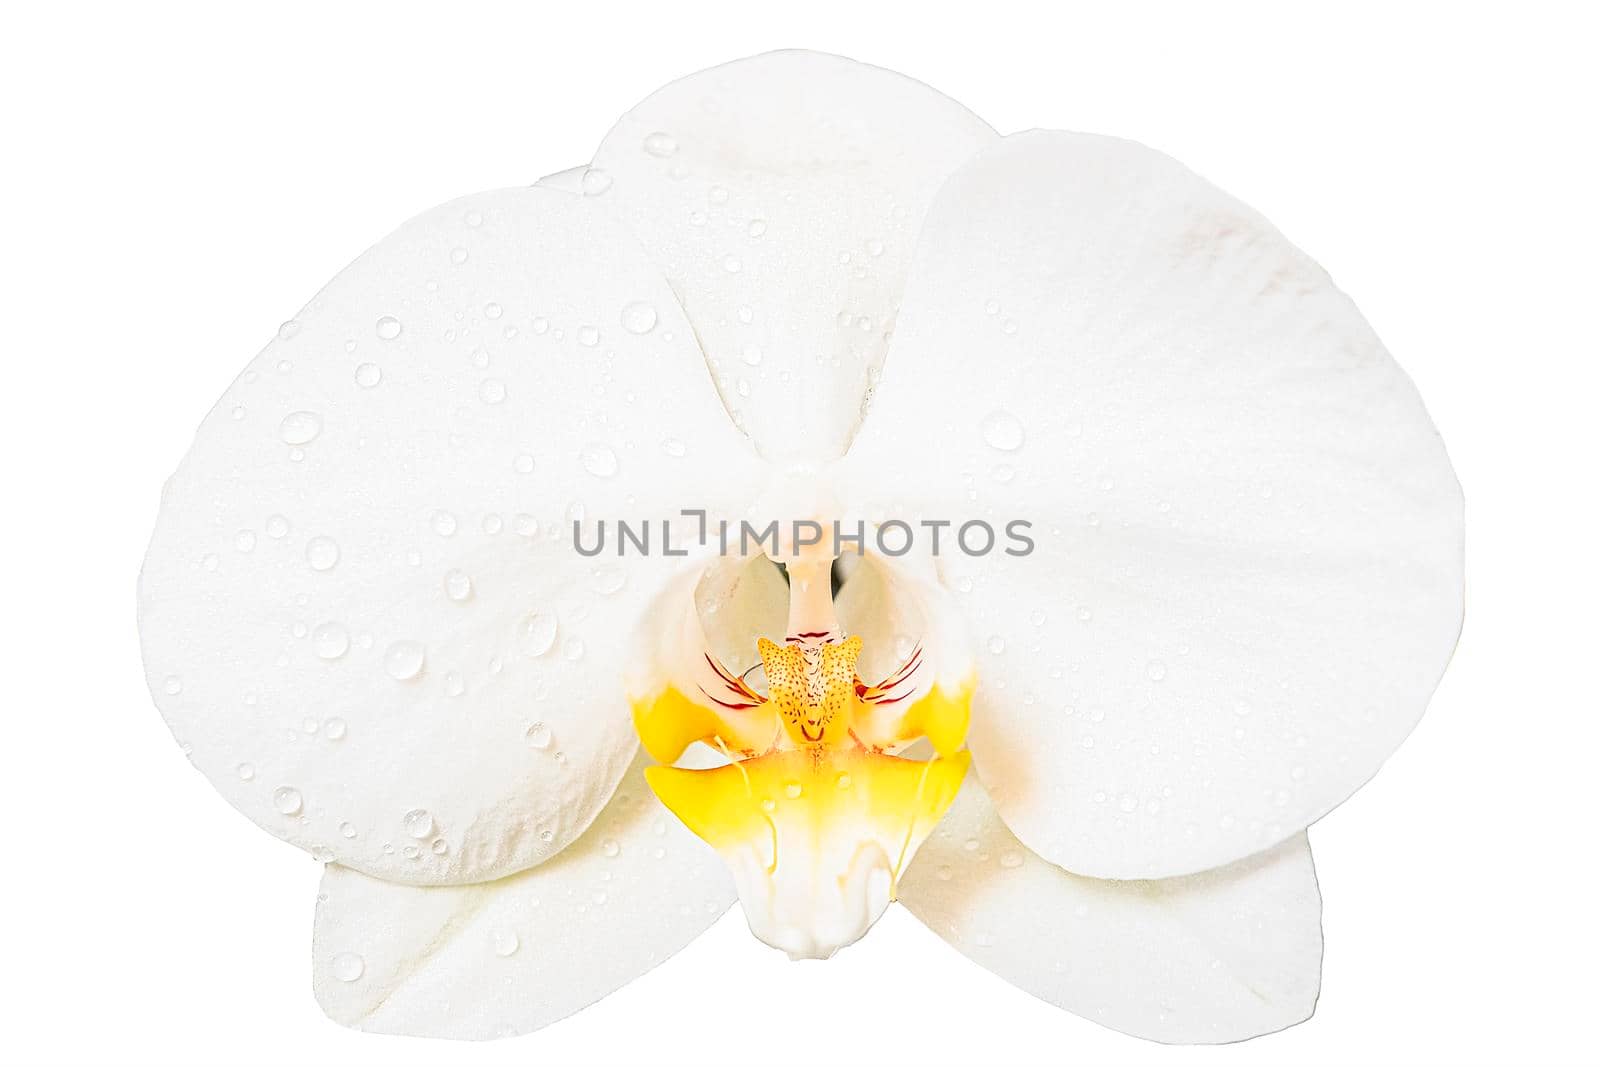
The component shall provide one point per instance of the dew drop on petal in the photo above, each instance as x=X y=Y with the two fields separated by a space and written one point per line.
x=418 y=823
x=536 y=633
x=457 y=585
x=368 y=375
x=322 y=553
x=330 y=640
x=347 y=966
x=403 y=660
x=598 y=460
x=286 y=799
x=300 y=427
x=539 y=736
x=388 y=328
x=505 y=941
x=639 y=317
x=661 y=145
x=1002 y=430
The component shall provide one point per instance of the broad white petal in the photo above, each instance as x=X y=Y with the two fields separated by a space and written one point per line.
x=1218 y=956
x=782 y=195
x=1248 y=567
x=500 y=958
x=362 y=610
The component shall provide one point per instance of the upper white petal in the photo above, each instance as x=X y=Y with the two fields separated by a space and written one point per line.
x=506 y=957
x=1248 y=571
x=362 y=611
x=782 y=195
x=1212 y=957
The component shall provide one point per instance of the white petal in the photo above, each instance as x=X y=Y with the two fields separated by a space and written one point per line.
x=1248 y=573
x=501 y=958
x=1218 y=956
x=362 y=609
x=781 y=195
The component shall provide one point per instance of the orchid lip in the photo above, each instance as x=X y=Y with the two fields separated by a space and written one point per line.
x=816 y=825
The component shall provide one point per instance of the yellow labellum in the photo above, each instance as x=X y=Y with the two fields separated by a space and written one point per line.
x=813 y=815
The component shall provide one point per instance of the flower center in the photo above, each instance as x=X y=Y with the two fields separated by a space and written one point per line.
x=815 y=814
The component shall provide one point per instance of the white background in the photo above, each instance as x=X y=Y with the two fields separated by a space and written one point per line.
x=179 y=180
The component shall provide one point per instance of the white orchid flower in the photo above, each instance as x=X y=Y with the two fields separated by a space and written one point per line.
x=365 y=615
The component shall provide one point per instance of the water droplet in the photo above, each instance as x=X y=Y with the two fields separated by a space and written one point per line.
x=245 y=540
x=608 y=580
x=997 y=644
x=1002 y=430
x=444 y=523
x=492 y=391
x=1011 y=859
x=595 y=181
x=660 y=145
x=792 y=790
x=388 y=328
x=751 y=354
x=639 y=317
x=598 y=460
x=172 y=685
x=945 y=874
x=757 y=227
x=769 y=805
x=322 y=553
x=368 y=375
x=440 y=846
x=504 y=940
x=572 y=649
x=403 y=660
x=536 y=633
x=334 y=729
x=277 y=527
x=246 y=771
x=300 y=427
x=1127 y=802
x=674 y=448
x=347 y=830
x=843 y=781
x=286 y=798
x=539 y=736
x=610 y=847
x=731 y=264
x=418 y=823
x=454 y=684
x=457 y=585
x=330 y=640
x=347 y=966
x=1157 y=670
